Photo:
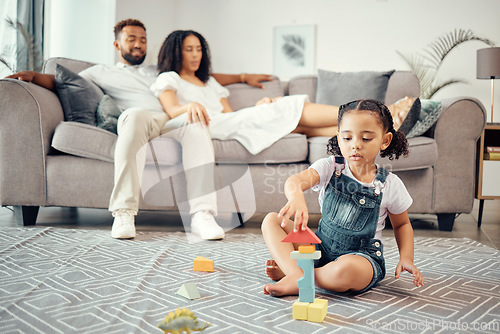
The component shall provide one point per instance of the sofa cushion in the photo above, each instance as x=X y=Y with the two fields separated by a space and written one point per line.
x=79 y=97
x=423 y=154
x=84 y=140
x=88 y=141
x=243 y=96
x=401 y=84
x=339 y=88
x=291 y=148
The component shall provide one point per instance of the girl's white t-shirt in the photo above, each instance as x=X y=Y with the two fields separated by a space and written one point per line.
x=395 y=199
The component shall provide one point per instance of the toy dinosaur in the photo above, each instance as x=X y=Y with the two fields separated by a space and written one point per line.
x=183 y=320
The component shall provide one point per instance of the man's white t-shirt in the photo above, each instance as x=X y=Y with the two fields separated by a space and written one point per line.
x=128 y=85
x=395 y=199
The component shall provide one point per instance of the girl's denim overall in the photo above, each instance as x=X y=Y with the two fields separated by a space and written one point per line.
x=349 y=220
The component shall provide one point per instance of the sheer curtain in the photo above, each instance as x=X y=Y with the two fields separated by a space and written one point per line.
x=30 y=14
x=13 y=48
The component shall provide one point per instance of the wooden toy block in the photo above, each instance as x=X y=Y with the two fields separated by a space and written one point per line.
x=316 y=311
x=189 y=291
x=295 y=255
x=203 y=264
x=299 y=310
x=307 y=249
x=302 y=237
x=306 y=282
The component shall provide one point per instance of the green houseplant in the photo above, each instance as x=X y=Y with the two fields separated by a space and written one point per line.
x=426 y=64
x=29 y=52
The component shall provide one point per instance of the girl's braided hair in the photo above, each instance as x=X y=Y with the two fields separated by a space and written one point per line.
x=398 y=145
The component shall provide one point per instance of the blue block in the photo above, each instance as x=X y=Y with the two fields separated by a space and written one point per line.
x=306 y=283
x=306 y=295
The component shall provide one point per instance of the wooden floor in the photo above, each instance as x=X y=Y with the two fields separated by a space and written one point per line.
x=423 y=225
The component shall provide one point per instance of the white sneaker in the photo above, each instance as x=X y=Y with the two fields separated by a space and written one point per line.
x=203 y=224
x=123 y=225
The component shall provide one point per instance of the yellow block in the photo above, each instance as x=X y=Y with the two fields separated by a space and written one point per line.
x=307 y=249
x=299 y=310
x=316 y=311
x=203 y=264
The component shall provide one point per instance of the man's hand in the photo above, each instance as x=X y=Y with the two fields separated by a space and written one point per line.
x=408 y=266
x=255 y=79
x=27 y=76
x=44 y=80
x=197 y=113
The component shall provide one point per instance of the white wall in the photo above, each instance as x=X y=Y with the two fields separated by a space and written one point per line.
x=80 y=30
x=351 y=35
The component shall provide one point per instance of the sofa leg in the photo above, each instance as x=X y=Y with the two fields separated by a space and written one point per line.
x=446 y=221
x=25 y=215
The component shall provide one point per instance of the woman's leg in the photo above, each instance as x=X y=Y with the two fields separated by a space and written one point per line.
x=280 y=251
x=349 y=272
x=328 y=131
x=319 y=115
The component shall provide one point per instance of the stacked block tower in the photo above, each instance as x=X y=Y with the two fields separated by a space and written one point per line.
x=307 y=307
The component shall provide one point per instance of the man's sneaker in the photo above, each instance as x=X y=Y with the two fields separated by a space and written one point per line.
x=123 y=225
x=203 y=224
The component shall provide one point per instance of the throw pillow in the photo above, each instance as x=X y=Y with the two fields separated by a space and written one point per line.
x=79 y=97
x=429 y=114
x=107 y=114
x=405 y=113
x=339 y=88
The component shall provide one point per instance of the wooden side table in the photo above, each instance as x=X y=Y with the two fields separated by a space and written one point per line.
x=487 y=171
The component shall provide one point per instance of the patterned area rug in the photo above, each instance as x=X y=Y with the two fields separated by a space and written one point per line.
x=67 y=281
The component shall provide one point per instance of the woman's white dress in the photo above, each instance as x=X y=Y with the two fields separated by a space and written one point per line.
x=256 y=128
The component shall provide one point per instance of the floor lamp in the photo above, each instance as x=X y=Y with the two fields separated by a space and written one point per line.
x=488 y=67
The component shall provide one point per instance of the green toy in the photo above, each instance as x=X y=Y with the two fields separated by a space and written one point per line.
x=183 y=320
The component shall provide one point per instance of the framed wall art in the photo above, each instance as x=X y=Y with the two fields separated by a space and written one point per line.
x=294 y=50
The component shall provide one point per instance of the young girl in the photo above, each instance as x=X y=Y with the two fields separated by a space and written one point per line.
x=188 y=93
x=355 y=196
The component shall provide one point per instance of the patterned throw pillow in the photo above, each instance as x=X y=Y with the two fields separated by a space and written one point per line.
x=429 y=114
x=107 y=114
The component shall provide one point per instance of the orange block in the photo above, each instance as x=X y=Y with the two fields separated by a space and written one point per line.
x=307 y=249
x=203 y=264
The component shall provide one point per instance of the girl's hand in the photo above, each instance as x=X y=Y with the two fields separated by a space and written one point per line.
x=408 y=266
x=295 y=208
x=197 y=113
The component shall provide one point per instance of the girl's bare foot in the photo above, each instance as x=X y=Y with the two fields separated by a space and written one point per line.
x=285 y=287
x=273 y=271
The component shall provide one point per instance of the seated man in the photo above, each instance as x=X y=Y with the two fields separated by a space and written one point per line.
x=142 y=119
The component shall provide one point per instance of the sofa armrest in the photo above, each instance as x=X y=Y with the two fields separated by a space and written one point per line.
x=28 y=117
x=456 y=132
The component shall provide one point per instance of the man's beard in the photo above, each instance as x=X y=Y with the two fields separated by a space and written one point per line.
x=134 y=60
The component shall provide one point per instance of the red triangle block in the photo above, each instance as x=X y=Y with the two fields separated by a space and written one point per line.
x=302 y=236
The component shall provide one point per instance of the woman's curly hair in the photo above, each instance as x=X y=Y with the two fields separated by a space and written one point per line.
x=398 y=145
x=170 y=55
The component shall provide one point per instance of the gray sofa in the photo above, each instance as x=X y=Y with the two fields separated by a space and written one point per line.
x=45 y=161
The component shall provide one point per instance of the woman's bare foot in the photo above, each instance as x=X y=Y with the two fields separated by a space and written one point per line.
x=285 y=287
x=273 y=271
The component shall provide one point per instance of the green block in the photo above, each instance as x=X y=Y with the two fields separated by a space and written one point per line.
x=189 y=291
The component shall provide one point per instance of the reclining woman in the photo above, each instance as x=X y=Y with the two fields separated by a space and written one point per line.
x=188 y=93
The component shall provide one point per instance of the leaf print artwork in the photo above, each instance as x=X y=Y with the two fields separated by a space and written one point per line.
x=294 y=49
